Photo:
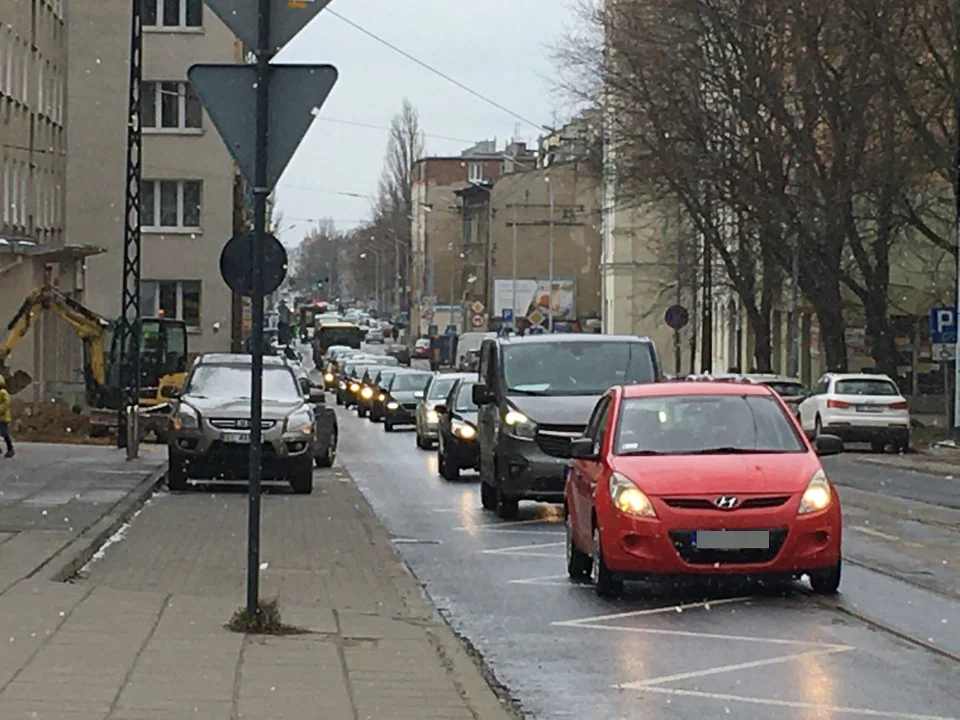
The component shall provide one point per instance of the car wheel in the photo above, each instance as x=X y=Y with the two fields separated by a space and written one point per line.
x=301 y=480
x=901 y=446
x=326 y=460
x=176 y=474
x=878 y=446
x=817 y=427
x=826 y=581
x=603 y=581
x=420 y=443
x=579 y=563
x=387 y=426
x=507 y=507
x=451 y=470
x=488 y=497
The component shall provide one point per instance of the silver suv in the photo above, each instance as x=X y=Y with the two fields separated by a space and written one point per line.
x=210 y=424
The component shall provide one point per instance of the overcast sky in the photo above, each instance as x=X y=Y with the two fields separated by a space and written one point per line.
x=499 y=48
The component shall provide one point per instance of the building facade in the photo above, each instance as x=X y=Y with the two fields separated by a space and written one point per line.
x=187 y=194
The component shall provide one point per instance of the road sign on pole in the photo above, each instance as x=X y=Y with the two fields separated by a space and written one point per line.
x=676 y=317
x=285 y=99
x=237 y=270
x=507 y=315
x=943 y=325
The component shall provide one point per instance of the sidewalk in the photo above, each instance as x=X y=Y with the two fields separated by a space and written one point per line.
x=934 y=461
x=139 y=634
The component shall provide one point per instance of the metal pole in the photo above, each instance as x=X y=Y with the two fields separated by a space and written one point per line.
x=550 y=262
x=677 y=350
x=376 y=280
x=514 y=301
x=794 y=369
x=260 y=193
x=396 y=277
x=956 y=192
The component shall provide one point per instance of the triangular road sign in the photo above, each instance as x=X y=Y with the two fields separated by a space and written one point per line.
x=287 y=18
x=229 y=93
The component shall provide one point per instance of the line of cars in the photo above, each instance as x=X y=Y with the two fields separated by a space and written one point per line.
x=657 y=478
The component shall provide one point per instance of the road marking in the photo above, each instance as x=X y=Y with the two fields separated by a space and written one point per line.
x=512 y=531
x=875 y=533
x=837 y=709
x=525 y=550
x=706 y=604
x=554 y=580
x=503 y=526
x=643 y=684
x=698 y=635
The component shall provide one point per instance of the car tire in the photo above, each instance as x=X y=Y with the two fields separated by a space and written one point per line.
x=878 y=446
x=327 y=459
x=451 y=470
x=301 y=479
x=901 y=446
x=507 y=507
x=488 y=496
x=420 y=443
x=817 y=427
x=176 y=474
x=387 y=425
x=579 y=563
x=603 y=580
x=827 y=581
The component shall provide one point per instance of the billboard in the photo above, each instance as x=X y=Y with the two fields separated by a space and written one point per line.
x=534 y=299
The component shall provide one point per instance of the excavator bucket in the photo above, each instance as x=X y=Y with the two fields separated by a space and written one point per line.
x=18 y=382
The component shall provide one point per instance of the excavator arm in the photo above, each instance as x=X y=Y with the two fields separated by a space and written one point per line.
x=90 y=328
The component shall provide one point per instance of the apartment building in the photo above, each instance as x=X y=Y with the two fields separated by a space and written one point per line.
x=187 y=195
x=33 y=246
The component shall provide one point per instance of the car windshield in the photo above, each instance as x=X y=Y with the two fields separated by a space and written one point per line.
x=705 y=425
x=384 y=379
x=440 y=388
x=233 y=381
x=406 y=382
x=575 y=367
x=350 y=336
x=464 y=401
x=866 y=387
x=786 y=389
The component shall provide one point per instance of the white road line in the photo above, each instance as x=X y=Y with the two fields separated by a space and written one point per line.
x=706 y=604
x=553 y=580
x=837 y=709
x=700 y=635
x=521 y=549
x=509 y=524
x=514 y=532
x=719 y=670
x=875 y=533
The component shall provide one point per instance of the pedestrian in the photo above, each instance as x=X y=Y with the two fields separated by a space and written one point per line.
x=395 y=332
x=6 y=416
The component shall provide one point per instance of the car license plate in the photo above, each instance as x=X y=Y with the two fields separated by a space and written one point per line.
x=731 y=540
x=235 y=437
x=869 y=408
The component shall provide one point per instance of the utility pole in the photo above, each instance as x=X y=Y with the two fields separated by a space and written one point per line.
x=706 y=329
x=550 y=260
x=514 y=301
x=956 y=192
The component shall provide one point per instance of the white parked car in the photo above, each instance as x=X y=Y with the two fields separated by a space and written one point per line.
x=858 y=408
x=375 y=335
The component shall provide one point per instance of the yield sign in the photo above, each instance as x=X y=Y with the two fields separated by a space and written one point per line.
x=229 y=93
x=287 y=18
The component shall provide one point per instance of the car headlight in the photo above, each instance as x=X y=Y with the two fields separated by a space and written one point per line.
x=185 y=418
x=464 y=430
x=520 y=426
x=392 y=405
x=328 y=377
x=381 y=397
x=433 y=417
x=366 y=393
x=628 y=498
x=343 y=385
x=817 y=496
x=299 y=422
x=354 y=387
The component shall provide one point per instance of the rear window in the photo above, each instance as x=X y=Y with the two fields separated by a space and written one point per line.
x=786 y=389
x=410 y=381
x=440 y=388
x=866 y=387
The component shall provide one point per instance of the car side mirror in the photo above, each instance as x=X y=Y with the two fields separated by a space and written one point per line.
x=481 y=394
x=317 y=397
x=583 y=448
x=440 y=409
x=828 y=445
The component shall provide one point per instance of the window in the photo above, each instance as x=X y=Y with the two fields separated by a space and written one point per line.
x=177 y=299
x=475 y=172
x=22 y=205
x=170 y=106
x=6 y=190
x=170 y=204
x=171 y=14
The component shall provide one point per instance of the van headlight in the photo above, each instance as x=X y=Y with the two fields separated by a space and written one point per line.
x=464 y=430
x=519 y=425
x=185 y=418
x=628 y=498
x=817 y=496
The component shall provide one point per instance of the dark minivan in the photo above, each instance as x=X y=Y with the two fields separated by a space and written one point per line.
x=535 y=394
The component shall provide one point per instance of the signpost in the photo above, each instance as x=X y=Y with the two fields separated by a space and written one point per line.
x=262 y=112
x=506 y=315
x=943 y=335
x=677 y=318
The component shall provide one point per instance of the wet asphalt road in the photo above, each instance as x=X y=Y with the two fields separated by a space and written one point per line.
x=658 y=652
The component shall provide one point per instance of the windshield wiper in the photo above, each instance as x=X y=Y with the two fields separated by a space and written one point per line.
x=540 y=393
x=728 y=450
x=642 y=453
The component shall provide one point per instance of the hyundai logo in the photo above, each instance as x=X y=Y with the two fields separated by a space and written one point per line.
x=243 y=423
x=726 y=502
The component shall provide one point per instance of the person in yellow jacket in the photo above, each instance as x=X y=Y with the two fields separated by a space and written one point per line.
x=6 y=416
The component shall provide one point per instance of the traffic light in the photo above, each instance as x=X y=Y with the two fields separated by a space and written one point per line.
x=320 y=283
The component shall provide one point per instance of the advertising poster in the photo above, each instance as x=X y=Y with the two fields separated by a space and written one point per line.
x=534 y=299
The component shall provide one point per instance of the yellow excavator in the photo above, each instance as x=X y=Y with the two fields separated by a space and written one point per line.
x=163 y=357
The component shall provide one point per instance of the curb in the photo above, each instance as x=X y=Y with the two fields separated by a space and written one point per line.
x=74 y=555
x=940 y=471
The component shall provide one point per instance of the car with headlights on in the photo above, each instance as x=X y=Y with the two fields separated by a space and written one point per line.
x=427 y=418
x=700 y=478
x=458 y=447
x=209 y=434
x=400 y=398
x=348 y=381
x=368 y=389
x=380 y=382
x=331 y=365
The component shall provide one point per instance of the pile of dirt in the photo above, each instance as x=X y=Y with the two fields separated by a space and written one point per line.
x=51 y=422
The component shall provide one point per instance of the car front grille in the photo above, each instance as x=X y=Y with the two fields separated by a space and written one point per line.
x=409 y=406
x=686 y=503
x=239 y=423
x=683 y=542
x=554 y=440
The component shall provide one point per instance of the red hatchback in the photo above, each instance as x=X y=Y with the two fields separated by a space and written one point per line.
x=700 y=478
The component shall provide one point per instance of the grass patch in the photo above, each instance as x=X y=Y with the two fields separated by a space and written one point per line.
x=927 y=436
x=266 y=621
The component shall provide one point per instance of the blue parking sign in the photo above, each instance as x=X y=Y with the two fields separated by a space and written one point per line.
x=507 y=315
x=943 y=325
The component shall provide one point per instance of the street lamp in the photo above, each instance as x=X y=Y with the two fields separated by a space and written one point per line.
x=376 y=291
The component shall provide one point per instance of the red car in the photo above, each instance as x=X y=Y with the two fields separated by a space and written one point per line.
x=699 y=478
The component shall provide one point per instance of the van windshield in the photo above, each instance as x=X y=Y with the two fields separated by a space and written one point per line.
x=576 y=368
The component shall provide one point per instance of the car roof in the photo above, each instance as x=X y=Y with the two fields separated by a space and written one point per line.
x=860 y=376
x=239 y=359
x=683 y=388
x=455 y=375
x=570 y=338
